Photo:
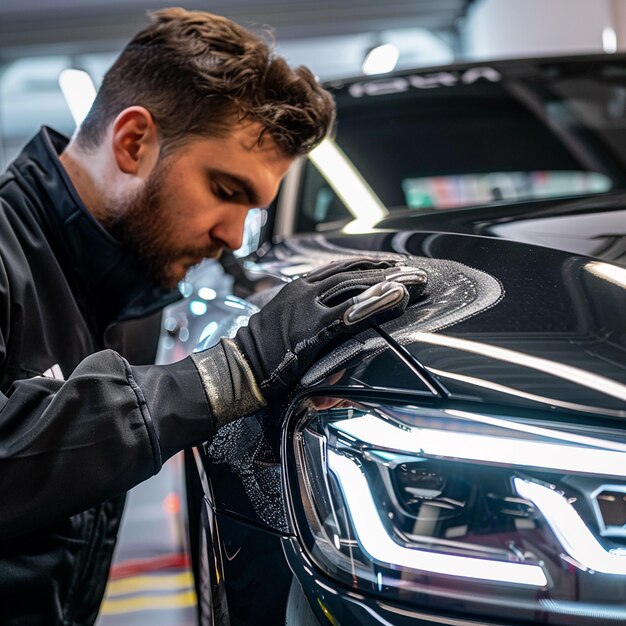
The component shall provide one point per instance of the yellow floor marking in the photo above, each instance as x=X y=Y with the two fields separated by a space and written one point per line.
x=171 y=582
x=142 y=603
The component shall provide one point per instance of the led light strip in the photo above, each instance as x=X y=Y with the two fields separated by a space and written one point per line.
x=448 y=444
x=379 y=546
x=572 y=533
x=583 y=440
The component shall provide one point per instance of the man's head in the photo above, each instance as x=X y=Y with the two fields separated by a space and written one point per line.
x=200 y=121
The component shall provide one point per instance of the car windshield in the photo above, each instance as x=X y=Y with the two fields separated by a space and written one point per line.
x=470 y=136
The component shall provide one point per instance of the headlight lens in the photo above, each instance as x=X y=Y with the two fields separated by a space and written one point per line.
x=456 y=511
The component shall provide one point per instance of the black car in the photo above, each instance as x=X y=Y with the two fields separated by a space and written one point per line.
x=466 y=463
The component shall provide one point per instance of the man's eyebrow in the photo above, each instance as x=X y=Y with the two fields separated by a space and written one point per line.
x=242 y=185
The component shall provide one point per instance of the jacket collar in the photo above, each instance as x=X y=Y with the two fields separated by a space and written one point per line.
x=113 y=283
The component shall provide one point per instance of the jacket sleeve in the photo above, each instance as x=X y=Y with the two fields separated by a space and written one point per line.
x=67 y=446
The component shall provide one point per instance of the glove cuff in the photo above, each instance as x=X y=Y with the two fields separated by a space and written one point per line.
x=230 y=386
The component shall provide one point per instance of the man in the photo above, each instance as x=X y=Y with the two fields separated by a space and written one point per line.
x=195 y=123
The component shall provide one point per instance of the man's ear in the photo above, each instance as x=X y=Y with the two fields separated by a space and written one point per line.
x=135 y=142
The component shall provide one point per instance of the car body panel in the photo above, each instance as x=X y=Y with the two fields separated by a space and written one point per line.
x=543 y=321
x=550 y=95
x=593 y=226
x=523 y=319
x=555 y=309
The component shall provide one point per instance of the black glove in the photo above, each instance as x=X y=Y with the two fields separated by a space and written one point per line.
x=270 y=355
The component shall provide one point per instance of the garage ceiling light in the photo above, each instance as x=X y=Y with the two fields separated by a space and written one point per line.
x=609 y=40
x=79 y=92
x=380 y=59
x=346 y=181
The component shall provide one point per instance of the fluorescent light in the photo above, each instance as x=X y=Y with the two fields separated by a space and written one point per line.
x=612 y=273
x=349 y=185
x=381 y=59
x=197 y=307
x=79 y=92
x=235 y=303
x=572 y=533
x=379 y=546
x=206 y=293
x=507 y=451
x=609 y=40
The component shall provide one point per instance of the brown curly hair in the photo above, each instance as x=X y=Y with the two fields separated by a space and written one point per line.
x=198 y=73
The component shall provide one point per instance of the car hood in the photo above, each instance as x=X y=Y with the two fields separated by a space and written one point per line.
x=503 y=323
x=590 y=225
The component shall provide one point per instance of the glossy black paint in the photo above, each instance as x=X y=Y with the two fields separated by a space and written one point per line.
x=333 y=604
x=592 y=225
x=254 y=573
x=554 y=312
x=246 y=481
x=535 y=88
x=553 y=309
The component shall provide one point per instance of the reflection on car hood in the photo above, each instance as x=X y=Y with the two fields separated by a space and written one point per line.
x=590 y=225
x=503 y=322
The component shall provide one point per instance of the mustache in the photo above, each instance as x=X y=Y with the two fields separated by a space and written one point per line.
x=212 y=251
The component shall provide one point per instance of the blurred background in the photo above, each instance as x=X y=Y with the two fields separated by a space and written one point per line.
x=41 y=38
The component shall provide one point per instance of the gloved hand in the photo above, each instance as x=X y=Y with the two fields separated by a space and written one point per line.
x=270 y=355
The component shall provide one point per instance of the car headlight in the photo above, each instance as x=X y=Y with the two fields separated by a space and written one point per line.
x=457 y=511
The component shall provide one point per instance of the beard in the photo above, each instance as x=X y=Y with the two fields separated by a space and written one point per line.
x=148 y=229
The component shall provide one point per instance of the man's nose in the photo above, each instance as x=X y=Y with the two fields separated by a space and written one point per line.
x=230 y=229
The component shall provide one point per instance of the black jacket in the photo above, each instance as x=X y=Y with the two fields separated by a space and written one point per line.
x=70 y=449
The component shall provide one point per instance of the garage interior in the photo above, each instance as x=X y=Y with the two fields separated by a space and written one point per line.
x=39 y=39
